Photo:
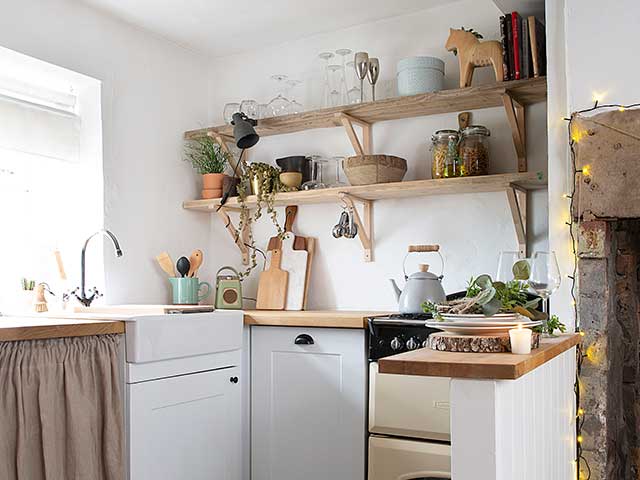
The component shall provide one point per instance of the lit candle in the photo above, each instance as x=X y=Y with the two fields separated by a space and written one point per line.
x=520 y=340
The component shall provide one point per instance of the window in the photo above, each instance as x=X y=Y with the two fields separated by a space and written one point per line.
x=50 y=175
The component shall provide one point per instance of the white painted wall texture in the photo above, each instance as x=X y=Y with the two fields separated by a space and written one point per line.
x=152 y=91
x=592 y=64
x=471 y=229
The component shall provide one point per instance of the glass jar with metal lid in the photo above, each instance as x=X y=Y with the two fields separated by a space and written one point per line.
x=439 y=148
x=474 y=150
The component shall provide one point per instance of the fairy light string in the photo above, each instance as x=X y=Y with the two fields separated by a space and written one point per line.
x=574 y=137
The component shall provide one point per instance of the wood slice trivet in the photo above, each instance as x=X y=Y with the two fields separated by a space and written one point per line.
x=450 y=342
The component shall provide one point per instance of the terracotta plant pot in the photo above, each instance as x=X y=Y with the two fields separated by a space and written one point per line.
x=209 y=193
x=212 y=181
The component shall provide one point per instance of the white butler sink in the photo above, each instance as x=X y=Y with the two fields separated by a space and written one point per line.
x=151 y=338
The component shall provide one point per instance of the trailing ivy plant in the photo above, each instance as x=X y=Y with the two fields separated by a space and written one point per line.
x=206 y=155
x=267 y=179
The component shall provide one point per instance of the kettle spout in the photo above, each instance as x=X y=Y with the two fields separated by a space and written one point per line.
x=397 y=290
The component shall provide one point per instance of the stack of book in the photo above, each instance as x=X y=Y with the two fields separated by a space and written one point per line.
x=524 y=47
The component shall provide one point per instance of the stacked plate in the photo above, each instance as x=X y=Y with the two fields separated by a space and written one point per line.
x=478 y=324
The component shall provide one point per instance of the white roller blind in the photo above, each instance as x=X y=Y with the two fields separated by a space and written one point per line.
x=38 y=122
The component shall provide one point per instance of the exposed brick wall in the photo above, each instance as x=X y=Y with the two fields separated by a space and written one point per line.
x=609 y=312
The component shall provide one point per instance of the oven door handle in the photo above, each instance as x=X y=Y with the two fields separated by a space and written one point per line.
x=304 y=339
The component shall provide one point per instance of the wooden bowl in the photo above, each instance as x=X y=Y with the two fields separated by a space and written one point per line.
x=370 y=169
x=291 y=179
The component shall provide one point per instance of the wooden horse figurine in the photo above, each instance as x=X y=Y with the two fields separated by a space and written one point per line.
x=473 y=53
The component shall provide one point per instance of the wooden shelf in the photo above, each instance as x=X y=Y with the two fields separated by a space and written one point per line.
x=524 y=92
x=414 y=188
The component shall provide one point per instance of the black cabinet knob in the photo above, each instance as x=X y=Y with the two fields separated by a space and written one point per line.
x=304 y=339
x=233 y=379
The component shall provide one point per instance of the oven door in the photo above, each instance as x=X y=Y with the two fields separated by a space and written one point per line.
x=399 y=459
x=409 y=405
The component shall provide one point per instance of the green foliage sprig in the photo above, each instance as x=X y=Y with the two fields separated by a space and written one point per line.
x=206 y=155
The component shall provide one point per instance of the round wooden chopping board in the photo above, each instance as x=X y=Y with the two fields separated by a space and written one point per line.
x=450 y=342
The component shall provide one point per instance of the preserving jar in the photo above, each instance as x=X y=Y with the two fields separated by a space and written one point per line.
x=439 y=148
x=474 y=150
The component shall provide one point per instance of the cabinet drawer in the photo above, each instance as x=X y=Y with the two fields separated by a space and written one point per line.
x=308 y=403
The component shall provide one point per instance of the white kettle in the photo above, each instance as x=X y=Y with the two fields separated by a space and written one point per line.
x=420 y=286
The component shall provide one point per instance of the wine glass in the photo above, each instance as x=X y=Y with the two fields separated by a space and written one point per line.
x=334 y=82
x=506 y=261
x=545 y=276
x=229 y=110
x=295 y=107
x=343 y=52
x=353 y=94
x=373 y=72
x=361 y=62
x=326 y=56
x=338 y=182
x=279 y=105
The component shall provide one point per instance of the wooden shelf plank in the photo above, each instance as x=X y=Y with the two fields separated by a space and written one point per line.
x=525 y=92
x=414 y=188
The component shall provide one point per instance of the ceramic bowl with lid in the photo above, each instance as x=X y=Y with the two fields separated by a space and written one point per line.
x=417 y=75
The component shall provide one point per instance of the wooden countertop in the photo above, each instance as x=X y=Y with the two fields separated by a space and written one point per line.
x=505 y=366
x=310 y=318
x=38 y=328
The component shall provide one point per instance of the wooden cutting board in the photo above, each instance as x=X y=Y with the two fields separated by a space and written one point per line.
x=295 y=263
x=300 y=243
x=272 y=287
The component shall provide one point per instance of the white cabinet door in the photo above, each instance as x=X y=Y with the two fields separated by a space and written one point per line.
x=186 y=427
x=308 y=404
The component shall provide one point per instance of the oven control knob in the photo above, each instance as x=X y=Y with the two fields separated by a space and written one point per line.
x=413 y=343
x=396 y=343
x=424 y=344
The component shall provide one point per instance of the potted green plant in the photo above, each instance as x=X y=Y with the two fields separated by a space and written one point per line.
x=210 y=160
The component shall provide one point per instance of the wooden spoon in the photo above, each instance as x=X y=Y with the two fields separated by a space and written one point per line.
x=196 y=261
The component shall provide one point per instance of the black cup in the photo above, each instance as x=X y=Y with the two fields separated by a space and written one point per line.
x=296 y=163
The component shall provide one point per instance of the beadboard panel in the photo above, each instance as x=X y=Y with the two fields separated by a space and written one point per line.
x=524 y=428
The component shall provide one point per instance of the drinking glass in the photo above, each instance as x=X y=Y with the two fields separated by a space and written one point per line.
x=545 y=275
x=353 y=94
x=229 y=110
x=263 y=111
x=316 y=182
x=325 y=88
x=338 y=181
x=361 y=62
x=250 y=108
x=506 y=261
x=343 y=52
x=279 y=105
x=294 y=107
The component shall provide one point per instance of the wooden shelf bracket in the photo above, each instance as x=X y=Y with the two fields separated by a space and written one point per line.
x=365 y=230
x=239 y=238
x=517 y=200
x=348 y=121
x=515 y=115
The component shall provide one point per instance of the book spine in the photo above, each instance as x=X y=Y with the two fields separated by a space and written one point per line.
x=510 y=47
x=525 y=49
x=542 y=47
x=505 y=53
x=534 y=45
x=515 y=27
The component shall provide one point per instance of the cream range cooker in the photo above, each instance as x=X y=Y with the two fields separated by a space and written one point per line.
x=409 y=416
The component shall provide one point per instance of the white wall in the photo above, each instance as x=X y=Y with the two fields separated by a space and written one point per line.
x=593 y=64
x=152 y=91
x=472 y=229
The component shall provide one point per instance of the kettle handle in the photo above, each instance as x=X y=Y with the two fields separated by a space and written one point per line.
x=423 y=249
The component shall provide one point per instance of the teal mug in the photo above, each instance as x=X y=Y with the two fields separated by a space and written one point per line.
x=186 y=290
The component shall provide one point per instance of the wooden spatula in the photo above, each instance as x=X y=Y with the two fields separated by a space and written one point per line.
x=166 y=264
x=272 y=287
x=195 y=260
